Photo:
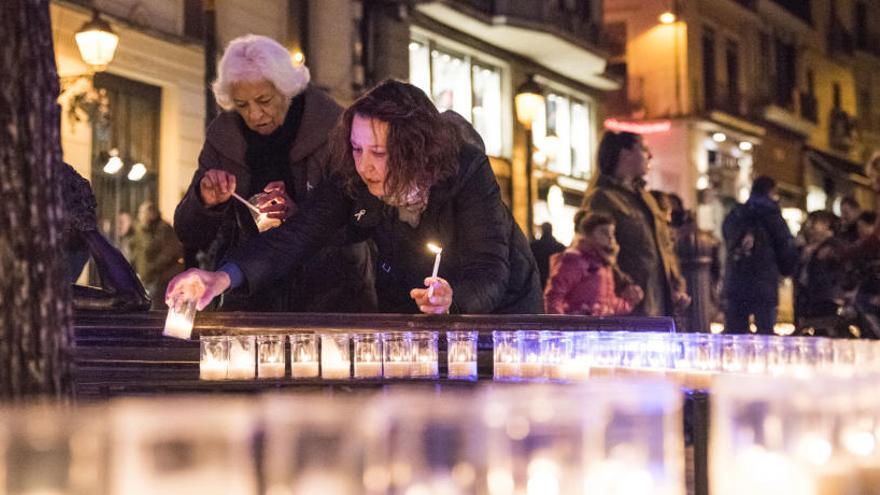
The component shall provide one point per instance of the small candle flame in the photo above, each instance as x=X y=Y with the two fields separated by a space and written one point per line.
x=435 y=248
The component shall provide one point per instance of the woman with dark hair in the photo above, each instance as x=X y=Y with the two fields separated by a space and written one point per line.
x=646 y=250
x=403 y=178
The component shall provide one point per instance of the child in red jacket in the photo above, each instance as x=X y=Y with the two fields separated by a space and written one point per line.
x=581 y=278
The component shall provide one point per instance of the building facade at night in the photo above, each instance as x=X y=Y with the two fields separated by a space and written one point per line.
x=467 y=56
x=731 y=89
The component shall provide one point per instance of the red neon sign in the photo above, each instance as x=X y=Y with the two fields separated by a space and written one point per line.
x=637 y=127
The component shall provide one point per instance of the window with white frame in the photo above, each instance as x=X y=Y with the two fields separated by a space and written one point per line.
x=461 y=83
x=563 y=134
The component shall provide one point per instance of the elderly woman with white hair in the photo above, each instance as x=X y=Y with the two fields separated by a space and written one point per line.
x=270 y=145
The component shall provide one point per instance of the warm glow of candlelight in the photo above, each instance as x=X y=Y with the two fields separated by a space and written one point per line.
x=434 y=248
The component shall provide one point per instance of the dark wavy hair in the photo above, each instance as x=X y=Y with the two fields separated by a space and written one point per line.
x=422 y=148
x=610 y=147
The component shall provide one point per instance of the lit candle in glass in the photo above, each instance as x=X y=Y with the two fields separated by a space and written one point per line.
x=397 y=349
x=367 y=355
x=507 y=355
x=437 y=250
x=335 y=357
x=270 y=356
x=425 y=353
x=461 y=355
x=531 y=363
x=179 y=322
x=304 y=355
x=556 y=352
x=213 y=357
x=242 y=357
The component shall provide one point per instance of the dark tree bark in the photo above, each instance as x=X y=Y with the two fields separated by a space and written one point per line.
x=35 y=319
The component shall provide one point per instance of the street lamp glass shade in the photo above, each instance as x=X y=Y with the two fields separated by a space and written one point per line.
x=667 y=18
x=137 y=172
x=97 y=43
x=113 y=165
x=529 y=101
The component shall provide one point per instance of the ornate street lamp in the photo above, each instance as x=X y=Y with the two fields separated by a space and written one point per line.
x=97 y=43
x=529 y=102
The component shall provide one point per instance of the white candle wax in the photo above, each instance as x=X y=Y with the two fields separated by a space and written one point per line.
x=241 y=364
x=438 y=250
x=367 y=369
x=426 y=368
x=576 y=371
x=271 y=370
x=265 y=223
x=177 y=325
x=304 y=369
x=212 y=369
x=531 y=370
x=335 y=370
x=506 y=370
x=398 y=369
x=466 y=369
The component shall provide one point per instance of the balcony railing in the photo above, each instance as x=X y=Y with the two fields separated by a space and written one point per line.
x=724 y=100
x=809 y=107
x=580 y=19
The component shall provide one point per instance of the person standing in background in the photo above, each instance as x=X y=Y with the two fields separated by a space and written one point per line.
x=760 y=250
x=543 y=249
x=157 y=255
x=646 y=251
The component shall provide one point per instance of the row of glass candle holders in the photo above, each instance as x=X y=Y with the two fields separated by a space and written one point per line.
x=787 y=435
x=617 y=437
x=690 y=359
x=331 y=355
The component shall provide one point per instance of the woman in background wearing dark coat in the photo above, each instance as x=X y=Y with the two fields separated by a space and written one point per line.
x=271 y=141
x=404 y=179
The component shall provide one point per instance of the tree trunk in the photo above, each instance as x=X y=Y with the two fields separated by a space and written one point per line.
x=35 y=319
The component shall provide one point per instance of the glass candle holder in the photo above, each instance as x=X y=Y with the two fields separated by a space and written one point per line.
x=507 y=353
x=304 y=355
x=213 y=357
x=242 y=357
x=531 y=366
x=367 y=355
x=578 y=367
x=556 y=352
x=398 y=354
x=270 y=356
x=335 y=356
x=425 y=355
x=461 y=354
x=179 y=321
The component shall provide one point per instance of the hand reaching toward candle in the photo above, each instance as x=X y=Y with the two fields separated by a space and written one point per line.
x=216 y=187
x=437 y=303
x=196 y=285
x=275 y=202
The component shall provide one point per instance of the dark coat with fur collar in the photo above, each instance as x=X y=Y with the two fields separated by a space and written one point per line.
x=486 y=258
x=337 y=279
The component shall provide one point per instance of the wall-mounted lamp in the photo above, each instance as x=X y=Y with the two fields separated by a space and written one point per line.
x=529 y=102
x=97 y=43
x=667 y=18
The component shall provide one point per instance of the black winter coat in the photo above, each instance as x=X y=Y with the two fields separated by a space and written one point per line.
x=486 y=258
x=755 y=278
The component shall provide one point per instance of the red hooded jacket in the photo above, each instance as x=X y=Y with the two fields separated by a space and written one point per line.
x=581 y=282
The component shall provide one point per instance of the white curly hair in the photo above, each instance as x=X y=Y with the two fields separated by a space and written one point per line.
x=253 y=57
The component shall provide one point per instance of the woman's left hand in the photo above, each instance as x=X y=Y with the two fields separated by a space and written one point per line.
x=275 y=202
x=440 y=300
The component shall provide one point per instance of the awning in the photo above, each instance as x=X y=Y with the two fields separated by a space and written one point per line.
x=837 y=166
x=563 y=56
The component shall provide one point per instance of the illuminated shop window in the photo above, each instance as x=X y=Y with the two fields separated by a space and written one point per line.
x=461 y=83
x=563 y=134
